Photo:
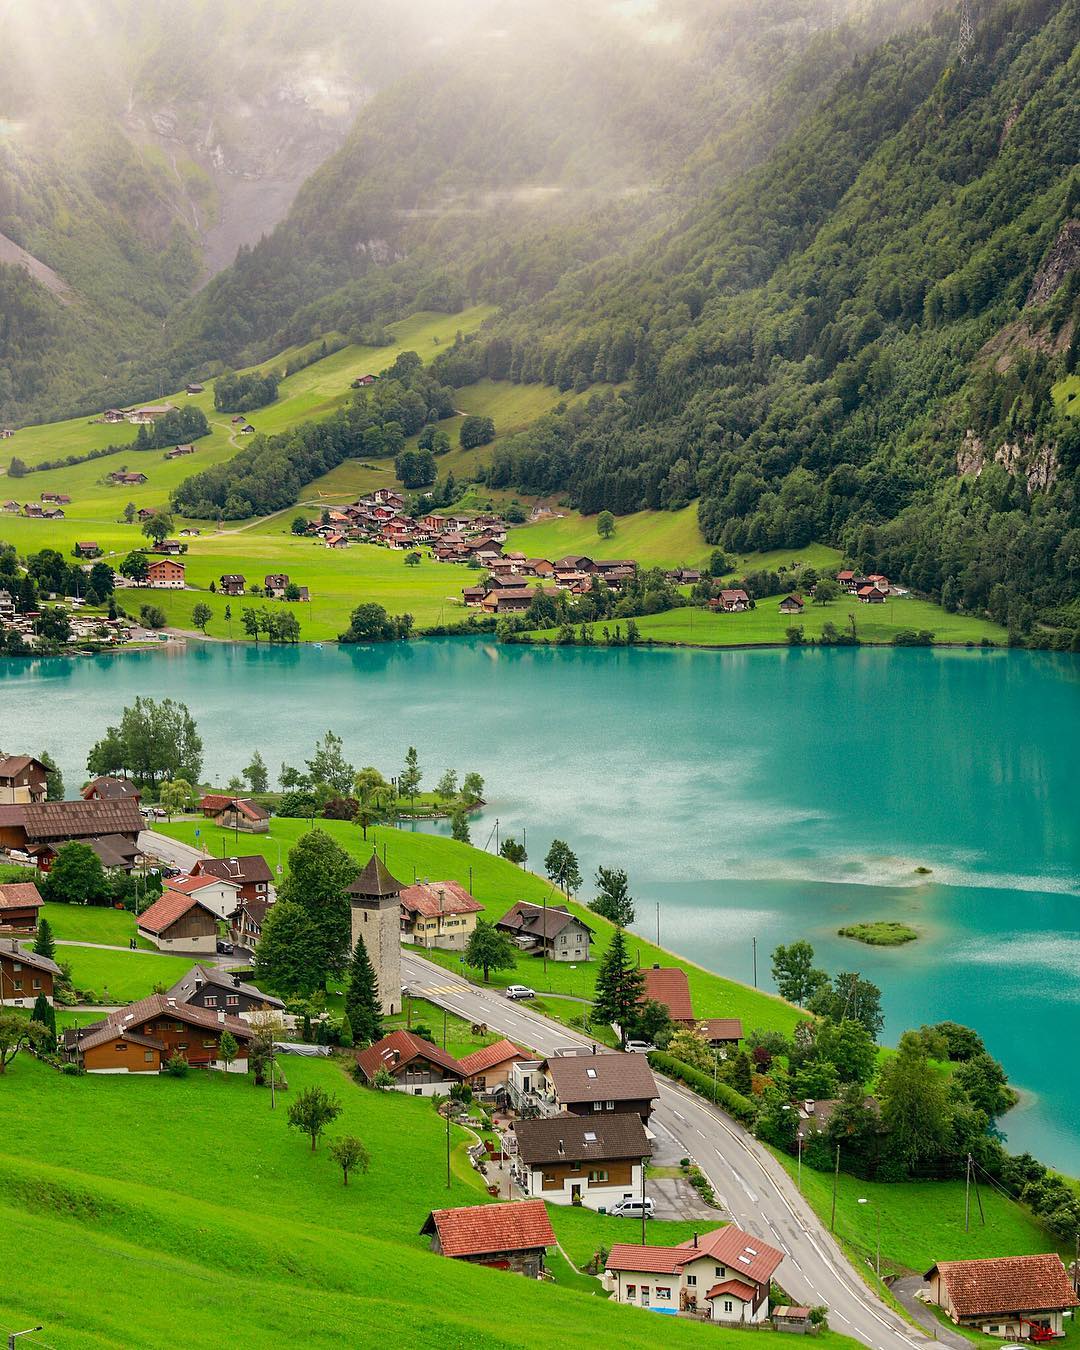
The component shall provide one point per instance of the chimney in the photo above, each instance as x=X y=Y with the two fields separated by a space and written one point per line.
x=695 y=1242
x=656 y=965
x=236 y=981
x=221 y=1016
x=594 y=1047
x=562 y=1151
x=199 y=982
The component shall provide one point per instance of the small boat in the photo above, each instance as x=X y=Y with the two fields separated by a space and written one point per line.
x=317 y=646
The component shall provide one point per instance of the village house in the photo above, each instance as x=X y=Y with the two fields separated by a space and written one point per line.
x=235 y=813
x=205 y=987
x=144 y=514
x=178 y=451
x=179 y=922
x=669 y=986
x=415 y=1065
x=142 y=1037
x=575 y=562
x=57 y=498
x=20 y=902
x=274 y=584
x=215 y=893
x=22 y=779
x=489 y=1067
x=336 y=540
x=505 y=1237
x=11 y=505
x=194 y=389
x=724 y=1274
x=171 y=546
x=792 y=604
x=41 y=828
x=7 y=605
x=246 y=923
x=251 y=873
x=24 y=975
x=6 y=433
x=165 y=574
x=547 y=930
x=871 y=595
x=846 y=578
x=232 y=583
x=683 y=576
x=87 y=548
x=362 y=381
x=121 y=476
x=814 y=1116
x=388 y=497
x=731 y=601
x=151 y=412
x=107 y=788
x=515 y=601
x=570 y=1160
x=722 y=1033
x=1008 y=1296
x=586 y=1084
x=438 y=914
x=51 y=513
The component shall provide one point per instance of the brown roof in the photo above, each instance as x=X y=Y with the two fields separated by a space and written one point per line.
x=80 y=819
x=720 y=1028
x=189 y=885
x=245 y=806
x=250 y=867
x=136 y=1015
x=111 y=788
x=29 y=958
x=375 y=879
x=164 y=912
x=19 y=895
x=578 y=1138
x=532 y=920
x=431 y=898
x=214 y=801
x=489 y=1055
x=197 y=976
x=10 y=765
x=400 y=1048
x=478 y=1230
x=589 y=1078
x=668 y=985
x=727 y=1287
x=1007 y=1284
x=100 y=1033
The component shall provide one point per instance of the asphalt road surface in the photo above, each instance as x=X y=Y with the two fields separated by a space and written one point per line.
x=750 y=1184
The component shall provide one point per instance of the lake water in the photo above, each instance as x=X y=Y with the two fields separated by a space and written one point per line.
x=757 y=794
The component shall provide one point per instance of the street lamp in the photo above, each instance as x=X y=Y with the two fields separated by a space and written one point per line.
x=864 y=1201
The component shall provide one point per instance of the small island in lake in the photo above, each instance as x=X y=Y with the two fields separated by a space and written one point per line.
x=883 y=933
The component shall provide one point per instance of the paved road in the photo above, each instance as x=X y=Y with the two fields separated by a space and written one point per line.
x=752 y=1186
x=170 y=851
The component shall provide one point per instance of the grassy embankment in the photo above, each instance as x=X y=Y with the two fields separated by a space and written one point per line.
x=497 y=884
x=880 y=933
x=126 y=1180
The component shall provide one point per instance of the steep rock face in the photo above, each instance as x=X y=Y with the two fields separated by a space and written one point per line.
x=1063 y=258
x=1037 y=467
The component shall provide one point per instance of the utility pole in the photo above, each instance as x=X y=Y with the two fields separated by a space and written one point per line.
x=835 y=1186
x=967 y=1195
x=658 y=923
x=444 y=1028
x=14 y=1336
x=966 y=39
x=754 y=940
x=447 y=1132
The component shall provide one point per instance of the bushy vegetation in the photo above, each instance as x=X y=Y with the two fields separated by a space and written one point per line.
x=240 y=393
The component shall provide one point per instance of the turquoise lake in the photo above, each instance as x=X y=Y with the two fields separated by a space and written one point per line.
x=759 y=794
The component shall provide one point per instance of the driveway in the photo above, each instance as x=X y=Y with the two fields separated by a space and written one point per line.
x=905 y=1291
x=169 y=851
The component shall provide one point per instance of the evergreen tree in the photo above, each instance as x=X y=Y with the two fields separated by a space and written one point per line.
x=363 y=1009
x=45 y=943
x=44 y=1013
x=619 y=987
x=54 y=780
x=345 y=1036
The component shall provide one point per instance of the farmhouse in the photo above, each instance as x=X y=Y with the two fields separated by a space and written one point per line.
x=489 y=1067
x=107 y=788
x=194 y=389
x=722 y=1033
x=19 y=905
x=336 y=540
x=549 y=930
x=730 y=601
x=24 y=975
x=87 y=548
x=1009 y=1296
x=415 y=1065
x=151 y=412
x=274 y=584
x=7 y=605
x=213 y=989
x=246 y=923
x=177 y=921
x=40 y=828
x=120 y=476
x=235 y=813
x=438 y=914
x=165 y=574
x=22 y=779
x=143 y=1036
x=232 y=583
x=724 y=1274
x=572 y=1160
x=251 y=873
x=871 y=595
x=178 y=451
x=585 y=1084
x=792 y=604
x=668 y=985
x=507 y=1237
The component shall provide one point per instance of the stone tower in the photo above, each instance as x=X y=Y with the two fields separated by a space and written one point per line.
x=375 y=897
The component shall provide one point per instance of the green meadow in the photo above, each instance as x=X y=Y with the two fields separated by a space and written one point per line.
x=498 y=884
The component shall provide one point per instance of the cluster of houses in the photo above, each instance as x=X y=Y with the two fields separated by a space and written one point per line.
x=138 y=417
x=84 y=628
x=379 y=518
x=870 y=590
x=50 y=506
x=274 y=586
x=513 y=579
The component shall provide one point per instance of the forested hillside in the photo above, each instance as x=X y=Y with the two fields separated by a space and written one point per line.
x=856 y=341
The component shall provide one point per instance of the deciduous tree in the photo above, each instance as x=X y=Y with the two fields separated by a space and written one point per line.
x=614 y=901
x=793 y=969
x=488 y=949
x=350 y=1155
x=311 y=1110
x=561 y=865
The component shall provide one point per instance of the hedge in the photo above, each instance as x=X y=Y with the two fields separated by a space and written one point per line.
x=723 y=1094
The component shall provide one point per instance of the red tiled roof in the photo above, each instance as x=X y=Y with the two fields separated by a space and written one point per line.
x=668 y=985
x=19 y=895
x=742 y=1251
x=400 y=1048
x=477 y=1230
x=490 y=1055
x=728 y=1287
x=431 y=898
x=654 y=1260
x=1007 y=1284
x=214 y=801
x=164 y=912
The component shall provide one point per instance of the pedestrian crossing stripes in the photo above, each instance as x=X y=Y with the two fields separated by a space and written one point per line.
x=444 y=989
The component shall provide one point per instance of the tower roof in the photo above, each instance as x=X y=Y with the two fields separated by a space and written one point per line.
x=376 y=879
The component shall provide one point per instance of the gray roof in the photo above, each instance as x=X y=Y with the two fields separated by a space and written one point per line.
x=375 y=879
x=582 y=1138
x=186 y=986
x=29 y=958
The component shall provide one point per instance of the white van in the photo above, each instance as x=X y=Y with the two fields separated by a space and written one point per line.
x=631 y=1209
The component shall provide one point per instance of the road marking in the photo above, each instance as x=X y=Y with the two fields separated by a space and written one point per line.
x=679 y=1114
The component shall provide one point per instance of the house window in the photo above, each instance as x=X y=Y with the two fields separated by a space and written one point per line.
x=663 y=1293
x=148 y=1056
x=37 y=984
x=120 y=1047
x=182 y=1045
x=598 y=1176
x=721 y=1271
x=18 y=984
x=211 y=1001
x=727 y=1305
x=631 y=1291
x=231 y=1000
x=610 y=1106
x=209 y=1045
x=691 y=1280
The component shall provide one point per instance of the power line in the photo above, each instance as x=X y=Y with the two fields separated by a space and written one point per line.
x=966 y=40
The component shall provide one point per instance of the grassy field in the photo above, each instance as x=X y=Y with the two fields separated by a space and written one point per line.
x=121 y=976
x=921 y=1221
x=881 y=933
x=125 y=1179
x=663 y=538
x=765 y=624
x=497 y=884
x=92 y=923
x=1066 y=394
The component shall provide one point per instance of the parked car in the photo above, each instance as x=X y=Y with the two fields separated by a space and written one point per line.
x=631 y=1209
x=224 y=948
x=519 y=991
x=640 y=1047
